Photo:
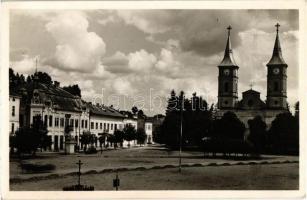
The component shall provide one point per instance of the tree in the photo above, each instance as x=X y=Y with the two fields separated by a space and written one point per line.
x=284 y=134
x=119 y=137
x=29 y=139
x=73 y=89
x=43 y=77
x=257 y=134
x=141 y=114
x=86 y=139
x=129 y=133
x=141 y=136
x=229 y=126
x=134 y=110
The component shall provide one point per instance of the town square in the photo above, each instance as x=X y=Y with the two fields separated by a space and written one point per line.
x=120 y=100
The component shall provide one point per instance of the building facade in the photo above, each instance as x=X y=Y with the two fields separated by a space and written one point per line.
x=59 y=109
x=251 y=104
x=14 y=107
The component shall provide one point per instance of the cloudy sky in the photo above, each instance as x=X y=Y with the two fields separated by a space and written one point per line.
x=123 y=56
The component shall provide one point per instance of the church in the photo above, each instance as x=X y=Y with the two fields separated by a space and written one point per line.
x=251 y=105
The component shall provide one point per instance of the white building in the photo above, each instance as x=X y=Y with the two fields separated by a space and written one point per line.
x=14 y=107
x=60 y=109
x=148 y=131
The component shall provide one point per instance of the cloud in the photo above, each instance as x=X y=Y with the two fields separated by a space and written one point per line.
x=117 y=63
x=167 y=63
x=199 y=29
x=141 y=61
x=26 y=65
x=77 y=49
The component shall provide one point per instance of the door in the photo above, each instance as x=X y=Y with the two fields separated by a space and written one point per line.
x=56 y=143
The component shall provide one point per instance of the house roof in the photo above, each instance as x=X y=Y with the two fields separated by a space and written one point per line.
x=102 y=110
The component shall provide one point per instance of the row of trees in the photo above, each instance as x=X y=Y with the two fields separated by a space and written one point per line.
x=227 y=134
x=29 y=139
x=116 y=140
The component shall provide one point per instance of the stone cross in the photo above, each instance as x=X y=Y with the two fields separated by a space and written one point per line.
x=79 y=172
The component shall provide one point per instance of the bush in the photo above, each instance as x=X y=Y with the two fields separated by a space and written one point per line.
x=91 y=150
x=78 y=188
x=37 y=168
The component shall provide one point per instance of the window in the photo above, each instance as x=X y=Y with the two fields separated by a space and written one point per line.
x=13 y=128
x=92 y=125
x=85 y=123
x=96 y=125
x=13 y=111
x=115 y=126
x=276 y=86
x=62 y=122
x=13 y=99
x=111 y=126
x=82 y=123
x=66 y=122
x=76 y=123
x=108 y=126
x=100 y=126
x=226 y=102
x=71 y=122
x=226 y=87
x=45 y=120
x=104 y=126
x=50 y=120
x=56 y=122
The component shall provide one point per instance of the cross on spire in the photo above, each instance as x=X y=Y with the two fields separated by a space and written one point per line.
x=35 y=65
x=229 y=28
x=277 y=27
x=251 y=85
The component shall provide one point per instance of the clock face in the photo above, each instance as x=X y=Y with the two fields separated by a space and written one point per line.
x=226 y=72
x=276 y=70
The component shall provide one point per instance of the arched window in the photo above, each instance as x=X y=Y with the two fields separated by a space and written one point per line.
x=226 y=87
x=276 y=86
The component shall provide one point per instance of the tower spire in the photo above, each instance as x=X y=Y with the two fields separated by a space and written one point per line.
x=277 y=58
x=228 y=59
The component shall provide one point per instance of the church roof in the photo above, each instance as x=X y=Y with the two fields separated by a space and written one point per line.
x=251 y=91
x=277 y=58
x=228 y=59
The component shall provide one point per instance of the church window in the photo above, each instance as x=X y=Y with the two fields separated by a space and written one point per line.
x=276 y=86
x=226 y=102
x=226 y=87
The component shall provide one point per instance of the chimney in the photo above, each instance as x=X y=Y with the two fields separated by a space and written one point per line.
x=56 y=83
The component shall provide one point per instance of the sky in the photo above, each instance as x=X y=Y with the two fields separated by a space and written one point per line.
x=136 y=57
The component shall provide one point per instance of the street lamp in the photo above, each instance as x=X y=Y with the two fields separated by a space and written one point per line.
x=180 y=138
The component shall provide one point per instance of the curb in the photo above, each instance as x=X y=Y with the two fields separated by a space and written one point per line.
x=168 y=166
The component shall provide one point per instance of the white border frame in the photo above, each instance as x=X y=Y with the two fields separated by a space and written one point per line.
x=195 y=194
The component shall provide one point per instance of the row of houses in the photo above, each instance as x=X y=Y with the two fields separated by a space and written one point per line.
x=58 y=109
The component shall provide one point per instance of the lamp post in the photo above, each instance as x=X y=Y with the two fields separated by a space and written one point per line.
x=180 y=138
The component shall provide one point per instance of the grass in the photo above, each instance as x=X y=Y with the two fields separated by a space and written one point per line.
x=239 y=177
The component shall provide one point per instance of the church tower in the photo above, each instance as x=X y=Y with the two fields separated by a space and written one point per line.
x=277 y=78
x=228 y=79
